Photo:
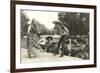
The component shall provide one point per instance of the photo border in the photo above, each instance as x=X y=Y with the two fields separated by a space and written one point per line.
x=13 y=35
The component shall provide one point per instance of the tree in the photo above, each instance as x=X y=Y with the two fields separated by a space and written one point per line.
x=24 y=24
x=40 y=28
x=77 y=23
x=85 y=22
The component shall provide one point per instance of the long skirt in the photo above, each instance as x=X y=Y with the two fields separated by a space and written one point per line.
x=33 y=47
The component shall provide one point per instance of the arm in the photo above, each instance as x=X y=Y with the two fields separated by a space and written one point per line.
x=65 y=29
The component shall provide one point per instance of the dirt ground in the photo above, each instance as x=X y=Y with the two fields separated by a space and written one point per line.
x=45 y=57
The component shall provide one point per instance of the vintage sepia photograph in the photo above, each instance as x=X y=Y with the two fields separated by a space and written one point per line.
x=48 y=36
x=52 y=36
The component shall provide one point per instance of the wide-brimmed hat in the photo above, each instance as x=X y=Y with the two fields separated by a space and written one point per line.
x=49 y=37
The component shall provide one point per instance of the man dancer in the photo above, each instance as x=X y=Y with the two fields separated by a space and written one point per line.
x=62 y=41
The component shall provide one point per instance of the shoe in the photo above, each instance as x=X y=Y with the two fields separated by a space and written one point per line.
x=61 y=55
x=55 y=54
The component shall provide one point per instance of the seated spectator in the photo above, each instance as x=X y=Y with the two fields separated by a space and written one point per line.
x=48 y=44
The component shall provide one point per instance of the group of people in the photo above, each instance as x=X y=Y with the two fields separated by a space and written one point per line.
x=62 y=47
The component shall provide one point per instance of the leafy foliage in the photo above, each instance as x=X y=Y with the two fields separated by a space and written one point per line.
x=77 y=23
x=24 y=24
x=41 y=29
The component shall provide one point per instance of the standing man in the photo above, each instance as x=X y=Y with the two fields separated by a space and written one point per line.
x=62 y=41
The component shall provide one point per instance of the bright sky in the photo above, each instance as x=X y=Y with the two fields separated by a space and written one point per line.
x=43 y=17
